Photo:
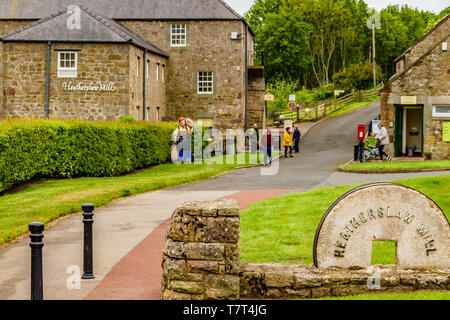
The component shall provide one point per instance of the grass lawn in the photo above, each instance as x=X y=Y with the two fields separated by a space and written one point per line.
x=353 y=107
x=400 y=165
x=45 y=201
x=418 y=295
x=282 y=229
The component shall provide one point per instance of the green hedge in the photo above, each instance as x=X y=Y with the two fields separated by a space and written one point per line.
x=32 y=149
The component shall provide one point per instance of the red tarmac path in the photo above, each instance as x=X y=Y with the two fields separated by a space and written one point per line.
x=137 y=276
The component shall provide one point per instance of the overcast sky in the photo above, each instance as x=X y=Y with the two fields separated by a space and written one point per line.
x=242 y=6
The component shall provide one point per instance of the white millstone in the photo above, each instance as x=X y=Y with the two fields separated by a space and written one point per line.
x=383 y=212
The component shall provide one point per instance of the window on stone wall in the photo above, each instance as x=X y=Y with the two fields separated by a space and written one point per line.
x=178 y=35
x=205 y=82
x=138 y=71
x=157 y=71
x=441 y=111
x=147 y=68
x=163 y=72
x=67 y=64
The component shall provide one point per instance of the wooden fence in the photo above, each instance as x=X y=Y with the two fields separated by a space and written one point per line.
x=317 y=110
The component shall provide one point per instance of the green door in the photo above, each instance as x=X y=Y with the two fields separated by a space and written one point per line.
x=398 y=139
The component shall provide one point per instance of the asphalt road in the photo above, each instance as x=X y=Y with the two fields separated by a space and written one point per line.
x=327 y=145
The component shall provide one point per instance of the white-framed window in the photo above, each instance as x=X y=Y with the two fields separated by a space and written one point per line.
x=205 y=83
x=441 y=111
x=67 y=64
x=178 y=35
x=147 y=68
x=138 y=69
x=157 y=71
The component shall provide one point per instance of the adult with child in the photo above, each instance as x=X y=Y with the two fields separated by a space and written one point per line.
x=182 y=139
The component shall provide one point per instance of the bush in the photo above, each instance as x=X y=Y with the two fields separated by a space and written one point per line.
x=356 y=76
x=32 y=149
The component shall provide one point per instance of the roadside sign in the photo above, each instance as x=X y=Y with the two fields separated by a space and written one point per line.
x=375 y=129
x=338 y=92
x=292 y=98
x=269 y=97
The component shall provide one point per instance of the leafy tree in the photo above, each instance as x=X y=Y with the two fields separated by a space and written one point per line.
x=311 y=40
x=356 y=76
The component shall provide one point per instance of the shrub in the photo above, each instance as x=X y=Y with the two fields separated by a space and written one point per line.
x=356 y=76
x=32 y=149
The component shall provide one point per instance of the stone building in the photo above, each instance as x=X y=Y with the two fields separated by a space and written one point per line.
x=415 y=103
x=153 y=60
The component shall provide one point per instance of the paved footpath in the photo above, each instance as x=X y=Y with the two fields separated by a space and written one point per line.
x=129 y=234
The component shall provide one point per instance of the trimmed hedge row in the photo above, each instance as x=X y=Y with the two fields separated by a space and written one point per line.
x=32 y=149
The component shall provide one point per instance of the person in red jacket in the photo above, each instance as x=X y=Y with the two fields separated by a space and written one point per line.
x=267 y=145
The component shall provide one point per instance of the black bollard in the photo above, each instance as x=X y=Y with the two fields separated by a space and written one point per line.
x=88 y=261
x=36 y=244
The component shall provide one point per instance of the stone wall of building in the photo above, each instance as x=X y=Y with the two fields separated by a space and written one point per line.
x=7 y=26
x=23 y=79
x=429 y=81
x=428 y=42
x=256 y=93
x=201 y=261
x=155 y=91
x=24 y=67
x=201 y=257
x=209 y=48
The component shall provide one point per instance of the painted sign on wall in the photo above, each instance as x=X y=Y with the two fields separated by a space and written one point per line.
x=91 y=86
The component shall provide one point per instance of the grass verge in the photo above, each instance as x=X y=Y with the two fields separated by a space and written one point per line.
x=417 y=295
x=282 y=229
x=353 y=107
x=48 y=200
x=396 y=166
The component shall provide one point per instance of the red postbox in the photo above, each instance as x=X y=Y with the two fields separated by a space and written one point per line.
x=361 y=132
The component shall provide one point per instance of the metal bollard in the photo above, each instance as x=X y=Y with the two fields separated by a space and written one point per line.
x=88 y=262
x=36 y=244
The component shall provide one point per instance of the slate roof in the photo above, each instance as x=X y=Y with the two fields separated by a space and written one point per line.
x=94 y=28
x=124 y=9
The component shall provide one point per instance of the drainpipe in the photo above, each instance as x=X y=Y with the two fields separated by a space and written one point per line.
x=47 y=93
x=246 y=78
x=145 y=77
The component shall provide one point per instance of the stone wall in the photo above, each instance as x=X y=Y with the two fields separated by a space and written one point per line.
x=155 y=87
x=428 y=42
x=7 y=26
x=256 y=93
x=201 y=256
x=209 y=48
x=24 y=68
x=201 y=261
x=276 y=281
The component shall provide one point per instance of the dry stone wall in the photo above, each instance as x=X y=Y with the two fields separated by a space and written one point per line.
x=276 y=281
x=201 y=257
x=201 y=261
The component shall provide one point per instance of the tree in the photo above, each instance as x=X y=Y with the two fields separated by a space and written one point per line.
x=356 y=76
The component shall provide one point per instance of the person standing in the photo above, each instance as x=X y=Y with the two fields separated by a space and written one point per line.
x=182 y=138
x=382 y=141
x=287 y=142
x=254 y=138
x=297 y=135
x=267 y=146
